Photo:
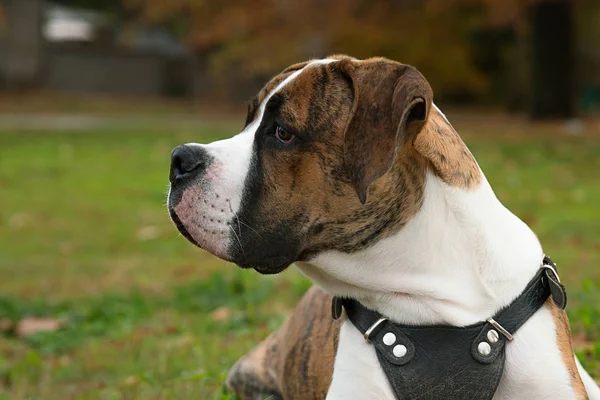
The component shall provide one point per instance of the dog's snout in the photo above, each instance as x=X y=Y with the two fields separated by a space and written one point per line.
x=187 y=161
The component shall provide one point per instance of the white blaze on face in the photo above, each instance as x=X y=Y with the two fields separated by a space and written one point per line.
x=208 y=208
x=235 y=154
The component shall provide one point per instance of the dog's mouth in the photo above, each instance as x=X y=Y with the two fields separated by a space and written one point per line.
x=181 y=227
x=271 y=265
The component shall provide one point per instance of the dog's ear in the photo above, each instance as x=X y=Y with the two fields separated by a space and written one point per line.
x=391 y=105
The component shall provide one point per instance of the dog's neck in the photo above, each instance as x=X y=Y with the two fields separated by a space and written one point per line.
x=460 y=259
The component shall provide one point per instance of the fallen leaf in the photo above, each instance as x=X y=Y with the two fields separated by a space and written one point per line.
x=66 y=247
x=20 y=220
x=578 y=195
x=30 y=325
x=5 y=324
x=148 y=233
x=132 y=380
x=530 y=220
x=183 y=341
x=575 y=241
x=221 y=314
x=546 y=196
x=171 y=329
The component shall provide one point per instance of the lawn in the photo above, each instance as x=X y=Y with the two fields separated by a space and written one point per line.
x=85 y=240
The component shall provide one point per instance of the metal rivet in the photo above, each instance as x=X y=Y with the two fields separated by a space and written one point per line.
x=484 y=348
x=493 y=336
x=389 y=339
x=399 y=350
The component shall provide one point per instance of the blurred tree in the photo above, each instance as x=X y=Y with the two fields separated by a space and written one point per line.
x=245 y=40
x=111 y=6
x=23 y=41
x=460 y=45
x=552 y=66
x=251 y=38
x=551 y=46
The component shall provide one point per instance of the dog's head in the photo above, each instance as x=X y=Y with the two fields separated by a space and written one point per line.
x=326 y=161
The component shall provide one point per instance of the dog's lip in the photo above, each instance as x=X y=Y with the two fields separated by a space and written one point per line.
x=277 y=265
x=181 y=227
x=271 y=271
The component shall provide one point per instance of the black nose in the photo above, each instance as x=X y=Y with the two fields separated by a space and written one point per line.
x=187 y=162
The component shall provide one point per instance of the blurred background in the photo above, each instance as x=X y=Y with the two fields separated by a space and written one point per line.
x=537 y=57
x=100 y=298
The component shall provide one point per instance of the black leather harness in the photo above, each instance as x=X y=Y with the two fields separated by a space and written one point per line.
x=449 y=362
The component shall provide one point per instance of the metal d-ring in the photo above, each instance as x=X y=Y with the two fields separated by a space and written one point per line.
x=500 y=328
x=554 y=272
x=372 y=328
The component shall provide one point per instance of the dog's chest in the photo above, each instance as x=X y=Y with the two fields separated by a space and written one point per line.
x=533 y=369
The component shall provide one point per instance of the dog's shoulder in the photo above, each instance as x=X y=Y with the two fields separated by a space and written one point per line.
x=295 y=362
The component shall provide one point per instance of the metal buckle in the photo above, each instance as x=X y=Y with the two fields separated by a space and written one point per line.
x=551 y=268
x=369 y=331
x=500 y=329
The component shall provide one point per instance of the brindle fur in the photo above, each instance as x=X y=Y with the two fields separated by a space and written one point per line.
x=367 y=132
x=563 y=338
x=356 y=123
x=447 y=154
x=295 y=362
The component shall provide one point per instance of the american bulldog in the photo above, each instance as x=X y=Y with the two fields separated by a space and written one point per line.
x=347 y=169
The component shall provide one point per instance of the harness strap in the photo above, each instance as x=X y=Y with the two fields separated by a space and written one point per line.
x=431 y=354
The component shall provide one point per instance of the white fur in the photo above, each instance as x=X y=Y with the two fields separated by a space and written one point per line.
x=357 y=373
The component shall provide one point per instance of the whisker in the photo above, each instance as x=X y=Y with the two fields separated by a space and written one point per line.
x=249 y=227
x=177 y=236
x=238 y=239
x=240 y=222
x=238 y=225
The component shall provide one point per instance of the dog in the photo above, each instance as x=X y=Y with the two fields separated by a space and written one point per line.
x=347 y=169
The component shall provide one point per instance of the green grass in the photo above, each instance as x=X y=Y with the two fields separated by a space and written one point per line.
x=85 y=238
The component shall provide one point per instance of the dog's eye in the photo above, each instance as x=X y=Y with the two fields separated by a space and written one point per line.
x=284 y=136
